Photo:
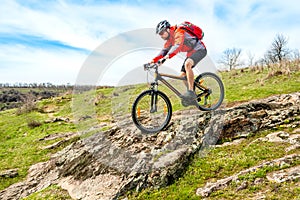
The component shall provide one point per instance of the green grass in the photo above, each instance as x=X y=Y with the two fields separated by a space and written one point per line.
x=53 y=192
x=248 y=85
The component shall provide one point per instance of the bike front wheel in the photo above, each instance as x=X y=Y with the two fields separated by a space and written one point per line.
x=209 y=90
x=151 y=111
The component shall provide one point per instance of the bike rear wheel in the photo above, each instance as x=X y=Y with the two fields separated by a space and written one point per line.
x=151 y=111
x=209 y=90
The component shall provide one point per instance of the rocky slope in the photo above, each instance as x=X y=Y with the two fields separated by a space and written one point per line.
x=109 y=163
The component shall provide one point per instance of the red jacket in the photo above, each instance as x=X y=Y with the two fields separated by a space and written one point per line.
x=179 y=41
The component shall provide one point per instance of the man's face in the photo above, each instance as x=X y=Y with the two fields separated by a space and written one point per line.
x=164 y=34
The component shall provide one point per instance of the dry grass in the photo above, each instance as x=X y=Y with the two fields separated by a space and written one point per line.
x=284 y=68
x=28 y=106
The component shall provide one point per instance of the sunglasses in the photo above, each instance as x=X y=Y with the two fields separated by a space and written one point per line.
x=162 y=32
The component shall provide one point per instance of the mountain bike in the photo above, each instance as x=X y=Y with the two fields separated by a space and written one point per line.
x=152 y=109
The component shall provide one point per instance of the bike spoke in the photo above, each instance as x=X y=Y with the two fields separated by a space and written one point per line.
x=209 y=90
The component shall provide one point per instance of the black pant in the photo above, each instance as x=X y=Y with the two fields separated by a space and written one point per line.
x=196 y=57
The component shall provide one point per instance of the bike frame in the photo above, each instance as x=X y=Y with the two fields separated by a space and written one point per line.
x=159 y=77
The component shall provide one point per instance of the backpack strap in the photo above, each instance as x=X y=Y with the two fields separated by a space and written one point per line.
x=190 y=32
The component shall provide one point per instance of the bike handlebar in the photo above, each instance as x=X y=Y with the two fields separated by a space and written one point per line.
x=153 y=65
x=149 y=66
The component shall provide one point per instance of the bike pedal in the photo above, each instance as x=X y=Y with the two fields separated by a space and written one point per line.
x=187 y=103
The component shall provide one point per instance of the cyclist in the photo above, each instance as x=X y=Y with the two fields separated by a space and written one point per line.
x=178 y=40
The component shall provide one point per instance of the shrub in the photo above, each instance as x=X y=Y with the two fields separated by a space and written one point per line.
x=31 y=123
x=28 y=106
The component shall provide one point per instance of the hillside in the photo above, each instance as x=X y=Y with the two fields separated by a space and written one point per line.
x=40 y=136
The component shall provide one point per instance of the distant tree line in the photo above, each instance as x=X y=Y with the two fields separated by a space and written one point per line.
x=51 y=86
x=35 y=85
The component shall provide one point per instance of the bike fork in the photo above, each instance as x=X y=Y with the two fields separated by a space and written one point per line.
x=153 y=102
x=154 y=86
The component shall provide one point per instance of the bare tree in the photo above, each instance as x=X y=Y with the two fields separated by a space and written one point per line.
x=295 y=55
x=250 y=58
x=231 y=58
x=278 y=50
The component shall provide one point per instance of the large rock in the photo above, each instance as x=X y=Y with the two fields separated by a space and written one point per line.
x=109 y=163
x=259 y=115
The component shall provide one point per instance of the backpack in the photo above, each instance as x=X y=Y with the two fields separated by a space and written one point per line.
x=192 y=29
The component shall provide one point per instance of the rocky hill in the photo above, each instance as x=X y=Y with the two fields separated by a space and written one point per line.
x=110 y=163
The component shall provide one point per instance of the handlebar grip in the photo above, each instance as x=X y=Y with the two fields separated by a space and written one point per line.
x=161 y=61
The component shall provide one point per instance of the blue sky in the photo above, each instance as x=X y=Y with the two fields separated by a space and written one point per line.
x=48 y=41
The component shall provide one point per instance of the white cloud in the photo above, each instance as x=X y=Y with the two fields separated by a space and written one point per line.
x=27 y=65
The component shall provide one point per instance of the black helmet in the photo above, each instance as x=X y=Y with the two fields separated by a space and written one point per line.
x=161 y=26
